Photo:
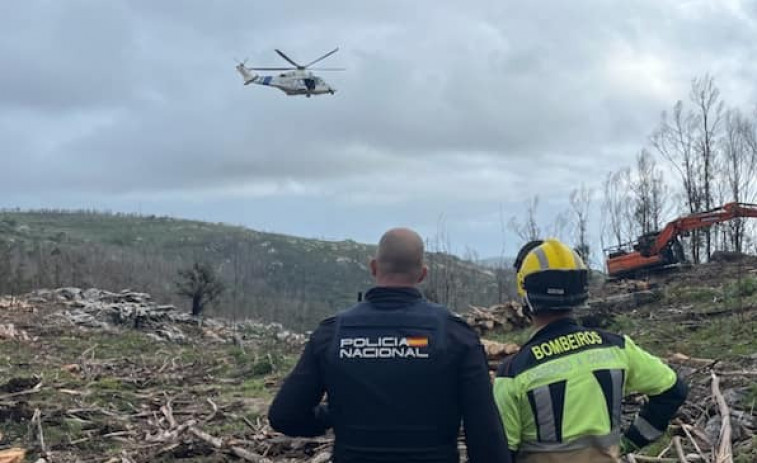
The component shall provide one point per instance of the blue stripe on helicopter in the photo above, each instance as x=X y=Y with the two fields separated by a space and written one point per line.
x=267 y=80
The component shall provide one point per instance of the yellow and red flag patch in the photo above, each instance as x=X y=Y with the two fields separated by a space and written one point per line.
x=417 y=341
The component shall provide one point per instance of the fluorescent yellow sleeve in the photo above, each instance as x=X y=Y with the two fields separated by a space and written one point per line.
x=647 y=374
x=508 y=403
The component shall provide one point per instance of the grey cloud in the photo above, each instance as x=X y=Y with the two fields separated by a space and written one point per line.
x=65 y=55
x=135 y=99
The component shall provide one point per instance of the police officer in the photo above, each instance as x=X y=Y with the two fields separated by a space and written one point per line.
x=560 y=396
x=400 y=374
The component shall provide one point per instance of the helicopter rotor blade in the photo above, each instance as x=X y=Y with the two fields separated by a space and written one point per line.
x=290 y=60
x=272 y=69
x=322 y=57
x=327 y=69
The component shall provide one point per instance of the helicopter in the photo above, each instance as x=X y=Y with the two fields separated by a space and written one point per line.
x=298 y=80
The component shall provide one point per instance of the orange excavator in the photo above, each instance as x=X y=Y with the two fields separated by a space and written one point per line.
x=655 y=250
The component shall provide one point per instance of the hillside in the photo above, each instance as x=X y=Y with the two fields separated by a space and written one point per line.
x=268 y=276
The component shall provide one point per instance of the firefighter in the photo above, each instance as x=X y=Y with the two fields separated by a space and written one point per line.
x=399 y=372
x=560 y=396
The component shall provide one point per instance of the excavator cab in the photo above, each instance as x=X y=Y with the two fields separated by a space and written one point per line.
x=646 y=243
x=673 y=252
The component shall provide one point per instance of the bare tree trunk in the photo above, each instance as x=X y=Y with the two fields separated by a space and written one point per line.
x=580 y=201
x=706 y=96
x=740 y=154
x=528 y=229
x=675 y=141
x=616 y=206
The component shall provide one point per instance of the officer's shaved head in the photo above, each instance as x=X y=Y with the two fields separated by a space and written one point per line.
x=399 y=256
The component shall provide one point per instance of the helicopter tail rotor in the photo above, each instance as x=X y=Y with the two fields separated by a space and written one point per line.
x=249 y=77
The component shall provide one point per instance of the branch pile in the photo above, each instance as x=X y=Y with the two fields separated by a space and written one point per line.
x=497 y=318
x=162 y=428
x=109 y=311
x=699 y=432
x=9 y=331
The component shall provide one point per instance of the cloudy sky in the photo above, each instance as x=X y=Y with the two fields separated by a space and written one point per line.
x=449 y=112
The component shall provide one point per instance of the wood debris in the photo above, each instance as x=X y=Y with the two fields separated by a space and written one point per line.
x=9 y=331
x=110 y=311
x=163 y=406
x=498 y=350
x=16 y=303
x=497 y=318
x=14 y=455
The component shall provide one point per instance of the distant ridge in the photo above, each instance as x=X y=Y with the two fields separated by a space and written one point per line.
x=269 y=276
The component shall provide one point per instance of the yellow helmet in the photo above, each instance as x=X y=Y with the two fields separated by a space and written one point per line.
x=551 y=275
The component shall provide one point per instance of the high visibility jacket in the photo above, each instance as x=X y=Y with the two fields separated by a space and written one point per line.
x=560 y=396
x=400 y=374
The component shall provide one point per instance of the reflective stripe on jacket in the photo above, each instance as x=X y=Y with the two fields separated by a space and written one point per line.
x=562 y=392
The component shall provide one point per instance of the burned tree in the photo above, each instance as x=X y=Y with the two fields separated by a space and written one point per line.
x=201 y=284
x=687 y=140
x=739 y=169
x=580 y=202
x=675 y=141
x=617 y=214
x=648 y=193
x=709 y=116
x=528 y=230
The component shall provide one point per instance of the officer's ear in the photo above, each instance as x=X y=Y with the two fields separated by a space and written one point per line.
x=424 y=273
x=373 y=264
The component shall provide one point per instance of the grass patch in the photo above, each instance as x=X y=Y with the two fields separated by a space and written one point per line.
x=744 y=287
x=259 y=363
x=747 y=454
x=116 y=400
x=683 y=295
x=656 y=447
x=254 y=388
x=723 y=338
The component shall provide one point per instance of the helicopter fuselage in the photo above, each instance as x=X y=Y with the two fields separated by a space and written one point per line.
x=296 y=83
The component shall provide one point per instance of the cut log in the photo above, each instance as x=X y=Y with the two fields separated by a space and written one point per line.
x=14 y=455
x=498 y=350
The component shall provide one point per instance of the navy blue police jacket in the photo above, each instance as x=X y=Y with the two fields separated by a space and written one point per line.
x=400 y=375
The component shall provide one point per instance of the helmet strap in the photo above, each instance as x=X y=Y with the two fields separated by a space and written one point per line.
x=528 y=308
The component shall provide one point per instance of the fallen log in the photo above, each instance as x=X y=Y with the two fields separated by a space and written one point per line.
x=685 y=359
x=679 y=449
x=625 y=301
x=724 y=452
x=14 y=455
x=501 y=317
x=652 y=459
x=498 y=350
x=249 y=456
x=202 y=435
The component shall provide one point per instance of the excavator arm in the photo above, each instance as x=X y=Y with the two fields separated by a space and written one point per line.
x=699 y=220
x=663 y=248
